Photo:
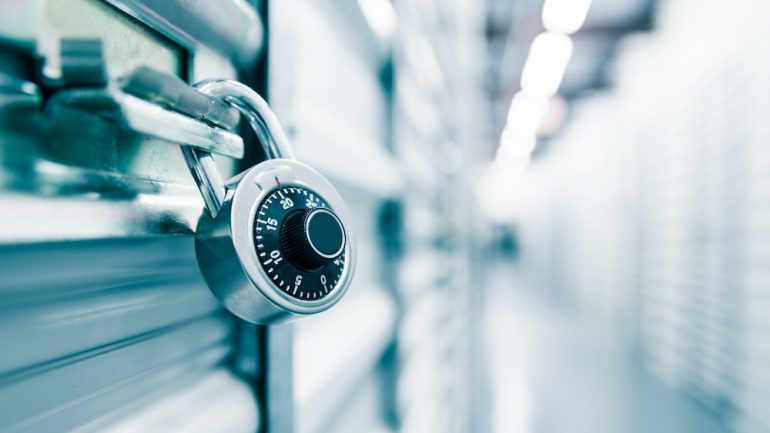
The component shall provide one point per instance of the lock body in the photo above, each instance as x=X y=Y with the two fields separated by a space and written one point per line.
x=274 y=242
x=269 y=259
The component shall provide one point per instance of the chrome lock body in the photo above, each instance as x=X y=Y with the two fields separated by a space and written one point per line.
x=274 y=241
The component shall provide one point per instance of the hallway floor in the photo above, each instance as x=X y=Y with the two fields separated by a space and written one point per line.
x=556 y=372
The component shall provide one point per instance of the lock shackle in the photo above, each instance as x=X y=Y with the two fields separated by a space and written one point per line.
x=263 y=121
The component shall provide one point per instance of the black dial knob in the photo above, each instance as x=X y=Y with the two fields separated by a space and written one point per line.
x=300 y=242
x=311 y=239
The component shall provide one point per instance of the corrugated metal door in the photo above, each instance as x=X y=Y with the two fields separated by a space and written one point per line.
x=105 y=322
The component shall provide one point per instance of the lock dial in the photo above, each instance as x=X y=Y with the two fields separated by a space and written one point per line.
x=299 y=242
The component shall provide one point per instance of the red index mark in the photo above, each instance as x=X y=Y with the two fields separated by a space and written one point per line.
x=277 y=182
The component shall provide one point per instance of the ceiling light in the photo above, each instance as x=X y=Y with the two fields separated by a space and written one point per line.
x=380 y=15
x=527 y=111
x=544 y=69
x=565 y=16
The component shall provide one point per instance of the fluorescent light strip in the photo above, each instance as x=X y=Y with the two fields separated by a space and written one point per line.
x=545 y=65
x=540 y=80
x=565 y=16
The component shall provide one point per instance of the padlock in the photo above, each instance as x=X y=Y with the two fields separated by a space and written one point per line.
x=274 y=242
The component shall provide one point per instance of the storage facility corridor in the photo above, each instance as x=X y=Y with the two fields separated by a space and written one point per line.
x=382 y=216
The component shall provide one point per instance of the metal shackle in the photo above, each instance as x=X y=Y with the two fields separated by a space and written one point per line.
x=263 y=121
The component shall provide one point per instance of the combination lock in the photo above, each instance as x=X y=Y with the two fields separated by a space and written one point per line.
x=274 y=242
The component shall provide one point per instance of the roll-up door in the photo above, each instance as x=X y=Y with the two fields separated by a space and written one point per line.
x=94 y=329
x=105 y=321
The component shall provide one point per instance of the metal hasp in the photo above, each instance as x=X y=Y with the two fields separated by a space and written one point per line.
x=139 y=115
x=157 y=105
x=244 y=240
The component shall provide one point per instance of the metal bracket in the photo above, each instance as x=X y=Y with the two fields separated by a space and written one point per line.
x=150 y=119
x=171 y=92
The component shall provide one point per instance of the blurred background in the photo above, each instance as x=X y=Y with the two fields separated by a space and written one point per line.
x=560 y=209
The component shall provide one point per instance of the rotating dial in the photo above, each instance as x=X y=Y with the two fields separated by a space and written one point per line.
x=300 y=242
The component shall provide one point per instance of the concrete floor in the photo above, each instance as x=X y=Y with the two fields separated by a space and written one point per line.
x=556 y=372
